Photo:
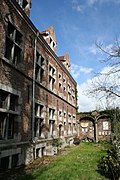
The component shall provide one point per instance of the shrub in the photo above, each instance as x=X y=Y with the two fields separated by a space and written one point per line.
x=57 y=142
x=109 y=165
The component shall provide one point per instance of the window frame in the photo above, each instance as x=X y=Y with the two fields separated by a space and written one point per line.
x=14 y=41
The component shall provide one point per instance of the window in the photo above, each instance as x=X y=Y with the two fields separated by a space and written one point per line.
x=60 y=76
x=13 y=44
x=73 y=99
x=51 y=77
x=69 y=87
x=38 y=119
x=69 y=117
x=37 y=152
x=22 y=3
x=64 y=114
x=51 y=121
x=8 y=114
x=74 y=127
x=64 y=80
x=60 y=113
x=52 y=43
x=69 y=96
x=7 y=122
x=51 y=114
x=105 y=125
x=74 y=117
x=60 y=87
x=69 y=128
x=64 y=89
x=39 y=70
x=14 y=162
x=4 y=163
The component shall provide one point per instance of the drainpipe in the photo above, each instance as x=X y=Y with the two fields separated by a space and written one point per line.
x=33 y=85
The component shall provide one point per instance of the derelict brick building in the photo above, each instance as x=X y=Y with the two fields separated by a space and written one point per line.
x=37 y=92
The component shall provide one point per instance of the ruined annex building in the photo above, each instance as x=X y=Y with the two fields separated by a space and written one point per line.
x=37 y=92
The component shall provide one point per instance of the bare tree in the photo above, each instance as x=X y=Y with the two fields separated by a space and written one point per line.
x=107 y=83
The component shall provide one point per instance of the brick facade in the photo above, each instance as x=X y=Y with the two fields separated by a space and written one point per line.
x=94 y=126
x=37 y=92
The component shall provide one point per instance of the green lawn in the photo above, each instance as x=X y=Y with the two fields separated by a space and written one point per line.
x=76 y=163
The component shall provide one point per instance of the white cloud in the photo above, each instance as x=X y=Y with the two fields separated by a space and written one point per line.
x=91 y=2
x=79 y=7
x=93 y=49
x=96 y=50
x=87 y=103
x=76 y=70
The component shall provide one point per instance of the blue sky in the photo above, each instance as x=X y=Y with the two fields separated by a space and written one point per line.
x=78 y=25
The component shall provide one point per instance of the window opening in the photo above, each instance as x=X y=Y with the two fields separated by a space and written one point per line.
x=14 y=162
x=13 y=44
x=39 y=70
x=38 y=119
x=4 y=163
x=8 y=102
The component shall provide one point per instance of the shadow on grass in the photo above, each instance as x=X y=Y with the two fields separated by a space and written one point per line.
x=16 y=174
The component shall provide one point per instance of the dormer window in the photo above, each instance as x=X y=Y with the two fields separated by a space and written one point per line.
x=22 y=3
x=52 y=43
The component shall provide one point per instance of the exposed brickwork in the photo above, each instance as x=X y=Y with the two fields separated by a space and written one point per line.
x=37 y=93
x=94 y=126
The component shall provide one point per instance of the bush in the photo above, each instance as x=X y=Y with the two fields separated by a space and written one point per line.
x=109 y=165
x=57 y=142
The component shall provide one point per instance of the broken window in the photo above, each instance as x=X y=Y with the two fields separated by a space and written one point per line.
x=51 y=113
x=51 y=77
x=3 y=99
x=60 y=113
x=60 y=87
x=13 y=102
x=10 y=129
x=4 y=163
x=39 y=70
x=51 y=121
x=22 y=3
x=8 y=114
x=60 y=76
x=38 y=120
x=37 y=152
x=13 y=44
x=69 y=96
x=14 y=162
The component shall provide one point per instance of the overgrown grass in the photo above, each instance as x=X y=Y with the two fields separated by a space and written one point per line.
x=77 y=163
